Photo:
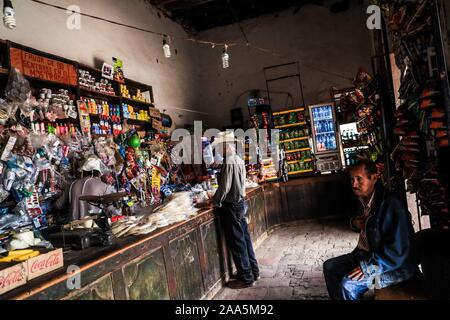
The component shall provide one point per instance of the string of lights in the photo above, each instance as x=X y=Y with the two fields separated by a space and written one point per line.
x=10 y=22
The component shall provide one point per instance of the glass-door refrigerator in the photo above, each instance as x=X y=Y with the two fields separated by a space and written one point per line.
x=325 y=137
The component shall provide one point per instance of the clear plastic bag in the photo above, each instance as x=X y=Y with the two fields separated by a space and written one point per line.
x=18 y=88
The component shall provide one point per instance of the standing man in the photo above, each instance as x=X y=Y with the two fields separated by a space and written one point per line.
x=385 y=254
x=230 y=197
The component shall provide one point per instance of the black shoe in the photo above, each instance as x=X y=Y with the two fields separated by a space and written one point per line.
x=239 y=284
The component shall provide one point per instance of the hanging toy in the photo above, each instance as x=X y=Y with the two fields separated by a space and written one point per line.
x=134 y=141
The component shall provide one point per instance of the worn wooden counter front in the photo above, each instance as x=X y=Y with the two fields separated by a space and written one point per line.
x=187 y=260
x=183 y=261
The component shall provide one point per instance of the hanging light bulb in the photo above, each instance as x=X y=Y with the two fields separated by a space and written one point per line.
x=166 y=48
x=225 y=57
x=8 y=15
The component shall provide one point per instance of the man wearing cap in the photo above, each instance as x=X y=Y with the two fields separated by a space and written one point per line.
x=88 y=184
x=229 y=197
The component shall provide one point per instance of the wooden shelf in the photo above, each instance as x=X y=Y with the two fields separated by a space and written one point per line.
x=288 y=111
x=76 y=91
x=301 y=171
x=51 y=83
x=294 y=139
x=63 y=120
x=296 y=161
x=131 y=101
x=297 y=150
x=96 y=95
x=101 y=135
x=137 y=122
x=290 y=125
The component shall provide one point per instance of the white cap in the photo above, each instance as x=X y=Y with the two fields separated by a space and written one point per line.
x=224 y=137
x=92 y=163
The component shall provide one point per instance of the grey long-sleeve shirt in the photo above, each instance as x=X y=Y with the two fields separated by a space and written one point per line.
x=232 y=181
x=84 y=186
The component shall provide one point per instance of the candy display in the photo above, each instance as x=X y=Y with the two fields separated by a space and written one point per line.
x=130 y=112
x=88 y=82
x=41 y=157
x=359 y=111
x=108 y=114
x=138 y=96
x=421 y=120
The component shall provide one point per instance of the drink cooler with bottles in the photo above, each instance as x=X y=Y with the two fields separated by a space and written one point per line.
x=325 y=137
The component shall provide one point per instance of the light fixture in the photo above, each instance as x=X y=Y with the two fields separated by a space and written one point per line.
x=8 y=14
x=225 y=57
x=166 y=48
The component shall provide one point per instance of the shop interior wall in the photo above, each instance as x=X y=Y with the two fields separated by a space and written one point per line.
x=174 y=81
x=330 y=48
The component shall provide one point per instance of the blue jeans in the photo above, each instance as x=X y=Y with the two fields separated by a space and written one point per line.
x=339 y=286
x=239 y=241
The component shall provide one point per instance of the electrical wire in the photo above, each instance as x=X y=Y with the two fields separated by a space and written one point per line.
x=133 y=27
x=238 y=22
x=203 y=42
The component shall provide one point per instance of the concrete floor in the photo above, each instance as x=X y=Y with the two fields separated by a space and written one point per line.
x=291 y=261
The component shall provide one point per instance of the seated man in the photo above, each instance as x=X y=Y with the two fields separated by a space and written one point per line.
x=385 y=254
x=88 y=184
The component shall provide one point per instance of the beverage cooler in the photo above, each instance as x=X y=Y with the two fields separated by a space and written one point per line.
x=325 y=137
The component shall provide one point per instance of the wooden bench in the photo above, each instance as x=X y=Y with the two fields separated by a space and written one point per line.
x=411 y=290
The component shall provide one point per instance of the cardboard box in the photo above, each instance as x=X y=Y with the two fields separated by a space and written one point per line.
x=12 y=276
x=44 y=263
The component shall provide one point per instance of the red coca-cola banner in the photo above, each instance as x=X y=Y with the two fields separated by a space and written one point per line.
x=43 y=68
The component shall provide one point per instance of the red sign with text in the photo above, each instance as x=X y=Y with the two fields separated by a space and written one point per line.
x=39 y=67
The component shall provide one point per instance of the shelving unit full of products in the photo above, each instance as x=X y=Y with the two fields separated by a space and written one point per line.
x=108 y=104
x=294 y=134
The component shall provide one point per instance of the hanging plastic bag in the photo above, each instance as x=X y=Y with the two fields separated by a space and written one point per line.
x=18 y=88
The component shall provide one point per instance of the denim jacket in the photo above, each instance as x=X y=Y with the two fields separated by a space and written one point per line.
x=390 y=235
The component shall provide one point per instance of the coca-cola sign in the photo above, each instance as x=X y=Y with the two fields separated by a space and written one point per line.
x=12 y=277
x=42 y=264
x=45 y=263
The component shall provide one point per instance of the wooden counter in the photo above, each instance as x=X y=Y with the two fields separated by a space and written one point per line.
x=187 y=260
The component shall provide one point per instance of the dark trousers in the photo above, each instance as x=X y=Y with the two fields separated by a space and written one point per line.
x=239 y=241
x=335 y=271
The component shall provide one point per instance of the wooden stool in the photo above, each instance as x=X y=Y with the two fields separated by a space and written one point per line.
x=411 y=290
